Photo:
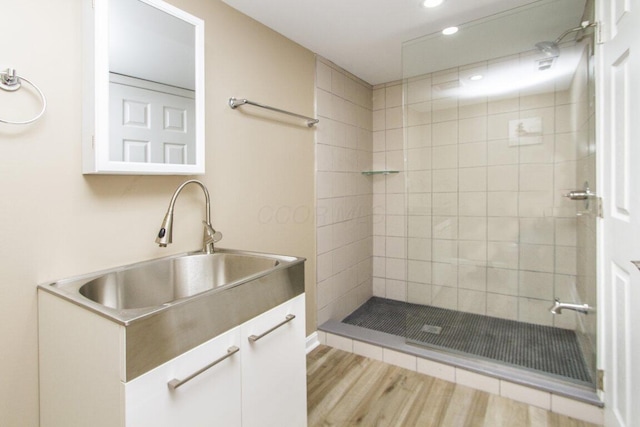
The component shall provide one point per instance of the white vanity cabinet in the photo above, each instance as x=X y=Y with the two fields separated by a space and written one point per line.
x=254 y=383
x=274 y=393
x=209 y=396
x=263 y=384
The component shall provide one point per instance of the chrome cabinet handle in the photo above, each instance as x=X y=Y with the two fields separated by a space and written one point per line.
x=175 y=383
x=289 y=318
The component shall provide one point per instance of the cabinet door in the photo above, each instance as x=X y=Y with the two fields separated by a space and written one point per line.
x=274 y=386
x=210 y=398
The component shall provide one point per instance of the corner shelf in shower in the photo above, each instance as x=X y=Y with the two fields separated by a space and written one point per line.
x=380 y=172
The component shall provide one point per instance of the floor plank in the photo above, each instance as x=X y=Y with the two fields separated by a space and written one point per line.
x=345 y=389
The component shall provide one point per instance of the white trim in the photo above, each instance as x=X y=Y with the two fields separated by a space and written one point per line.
x=96 y=96
x=312 y=342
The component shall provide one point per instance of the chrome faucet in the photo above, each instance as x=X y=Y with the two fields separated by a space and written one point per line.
x=559 y=306
x=211 y=236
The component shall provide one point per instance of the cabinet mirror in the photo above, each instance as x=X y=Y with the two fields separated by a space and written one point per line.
x=143 y=109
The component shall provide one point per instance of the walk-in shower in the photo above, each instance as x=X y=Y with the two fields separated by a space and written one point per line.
x=492 y=149
x=478 y=251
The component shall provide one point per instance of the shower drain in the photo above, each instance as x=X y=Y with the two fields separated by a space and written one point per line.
x=431 y=329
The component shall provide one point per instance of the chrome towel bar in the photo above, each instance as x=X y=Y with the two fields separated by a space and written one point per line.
x=235 y=103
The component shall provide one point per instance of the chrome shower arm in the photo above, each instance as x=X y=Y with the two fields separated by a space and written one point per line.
x=583 y=26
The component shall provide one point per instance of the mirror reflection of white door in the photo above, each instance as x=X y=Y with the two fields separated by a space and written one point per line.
x=619 y=141
x=150 y=122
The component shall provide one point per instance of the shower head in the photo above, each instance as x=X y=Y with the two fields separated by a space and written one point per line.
x=549 y=49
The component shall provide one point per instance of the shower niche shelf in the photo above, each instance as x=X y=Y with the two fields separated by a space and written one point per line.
x=379 y=172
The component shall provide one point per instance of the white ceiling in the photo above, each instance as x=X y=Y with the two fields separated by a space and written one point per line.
x=365 y=36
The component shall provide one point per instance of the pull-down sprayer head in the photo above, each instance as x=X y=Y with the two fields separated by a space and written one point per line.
x=165 y=235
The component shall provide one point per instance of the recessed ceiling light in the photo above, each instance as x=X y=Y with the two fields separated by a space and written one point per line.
x=450 y=30
x=431 y=3
x=476 y=77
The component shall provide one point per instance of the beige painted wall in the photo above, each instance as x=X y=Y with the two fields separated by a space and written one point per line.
x=57 y=222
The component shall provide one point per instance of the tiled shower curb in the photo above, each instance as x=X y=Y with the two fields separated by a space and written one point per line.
x=537 y=390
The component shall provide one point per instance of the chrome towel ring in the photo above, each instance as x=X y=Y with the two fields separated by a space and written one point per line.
x=11 y=82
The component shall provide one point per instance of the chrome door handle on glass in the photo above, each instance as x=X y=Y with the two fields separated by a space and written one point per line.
x=592 y=203
x=580 y=194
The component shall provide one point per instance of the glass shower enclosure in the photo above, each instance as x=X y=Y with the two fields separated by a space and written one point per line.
x=498 y=130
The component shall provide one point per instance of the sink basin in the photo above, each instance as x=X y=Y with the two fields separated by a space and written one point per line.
x=128 y=293
x=171 y=279
x=170 y=305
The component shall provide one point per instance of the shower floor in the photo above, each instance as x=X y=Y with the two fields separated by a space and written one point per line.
x=551 y=350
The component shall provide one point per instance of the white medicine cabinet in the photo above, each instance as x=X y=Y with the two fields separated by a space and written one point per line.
x=143 y=106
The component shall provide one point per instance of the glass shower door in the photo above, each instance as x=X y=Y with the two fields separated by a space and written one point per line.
x=492 y=146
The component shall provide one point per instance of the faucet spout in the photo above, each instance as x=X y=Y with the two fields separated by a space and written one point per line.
x=559 y=306
x=165 y=235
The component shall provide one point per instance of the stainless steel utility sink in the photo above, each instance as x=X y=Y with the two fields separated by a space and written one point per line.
x=171 y=279
x=170 y=305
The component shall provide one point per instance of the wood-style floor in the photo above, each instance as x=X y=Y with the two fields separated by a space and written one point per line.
x=344 y=389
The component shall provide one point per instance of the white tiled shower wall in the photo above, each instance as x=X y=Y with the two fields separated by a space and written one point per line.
x=344 y=195
x=483 y=227
x=389 y=215
x=488 y=229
